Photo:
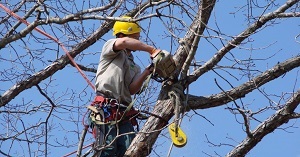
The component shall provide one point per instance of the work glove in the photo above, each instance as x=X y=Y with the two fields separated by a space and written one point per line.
x=150 y=67
x=164 y=64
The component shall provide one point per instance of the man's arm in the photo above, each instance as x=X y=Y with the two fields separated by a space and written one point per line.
x=136 y=85
x=133 y=44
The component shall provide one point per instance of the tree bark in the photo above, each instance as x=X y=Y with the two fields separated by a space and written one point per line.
x=145 y=139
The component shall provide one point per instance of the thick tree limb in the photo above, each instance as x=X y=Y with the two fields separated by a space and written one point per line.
x=279 y=118
x=59 y=63
x=196 y=29
x=54 y=67
x=142 y=144
x=68 y=18
x=196 y=102
x=238 y=40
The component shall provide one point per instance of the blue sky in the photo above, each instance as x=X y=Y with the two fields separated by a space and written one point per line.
x=279 y=39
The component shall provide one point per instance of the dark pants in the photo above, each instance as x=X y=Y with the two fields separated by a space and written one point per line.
x=119 y=145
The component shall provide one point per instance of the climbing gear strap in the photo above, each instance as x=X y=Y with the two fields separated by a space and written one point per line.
x=109 y=111
x=178 y=137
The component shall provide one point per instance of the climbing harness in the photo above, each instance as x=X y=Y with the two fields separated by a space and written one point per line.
x=164 y=67
x=178 y=137
x=105 y=111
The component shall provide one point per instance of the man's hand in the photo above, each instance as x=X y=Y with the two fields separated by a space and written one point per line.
x=164 y=64
x=150 y=68
x=154 y=53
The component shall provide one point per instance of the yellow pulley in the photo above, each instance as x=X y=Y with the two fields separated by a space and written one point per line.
x=178 y=137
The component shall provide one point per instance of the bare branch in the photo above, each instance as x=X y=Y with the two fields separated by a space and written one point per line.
x=237 y=40
x=240 y=91
x=280 y=117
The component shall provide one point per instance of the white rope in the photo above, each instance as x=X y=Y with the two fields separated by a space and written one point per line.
x=176 y=94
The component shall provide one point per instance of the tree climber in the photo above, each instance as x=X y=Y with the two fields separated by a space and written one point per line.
x=118 y=77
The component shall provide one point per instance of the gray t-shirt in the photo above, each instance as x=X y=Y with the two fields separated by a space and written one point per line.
x=116 y=70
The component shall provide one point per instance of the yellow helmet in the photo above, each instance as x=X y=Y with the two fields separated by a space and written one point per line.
x=126 y=27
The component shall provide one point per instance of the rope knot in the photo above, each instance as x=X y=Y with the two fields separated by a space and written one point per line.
x=177 y=95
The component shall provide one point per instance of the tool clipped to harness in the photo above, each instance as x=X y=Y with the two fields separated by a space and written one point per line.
x=178 y=137
x=97 y=115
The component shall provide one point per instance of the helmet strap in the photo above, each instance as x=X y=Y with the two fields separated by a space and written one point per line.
x=120 y=35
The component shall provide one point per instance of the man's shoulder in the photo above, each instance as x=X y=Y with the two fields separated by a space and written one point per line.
x=110 y=40
x=107 y=48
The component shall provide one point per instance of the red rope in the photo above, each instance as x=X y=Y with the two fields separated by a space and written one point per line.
x=52 y=38
x=67 y=53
